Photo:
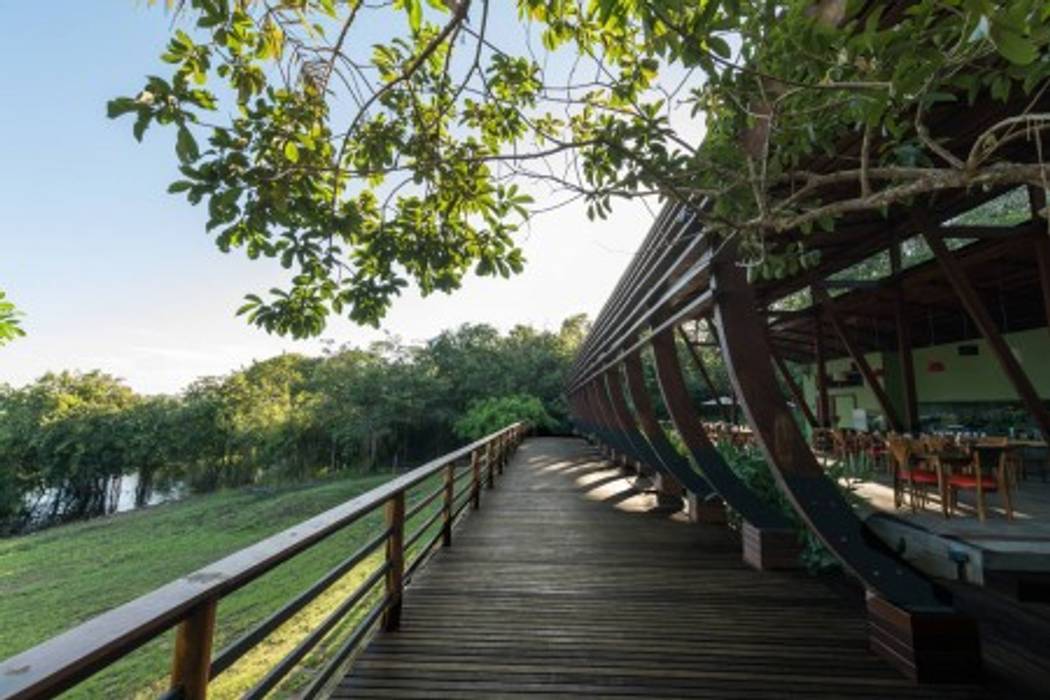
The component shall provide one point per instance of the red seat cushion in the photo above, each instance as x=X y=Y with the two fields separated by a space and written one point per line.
x=969 y=481
x=922 y=476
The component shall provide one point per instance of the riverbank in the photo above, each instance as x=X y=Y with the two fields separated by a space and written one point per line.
x=57 y=578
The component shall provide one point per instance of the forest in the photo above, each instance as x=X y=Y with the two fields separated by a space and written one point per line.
x=68 y=438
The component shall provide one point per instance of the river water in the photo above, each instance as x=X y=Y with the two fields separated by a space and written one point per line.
x=120 y=498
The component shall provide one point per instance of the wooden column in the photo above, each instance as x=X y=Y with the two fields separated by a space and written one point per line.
x=191 y=663
x=1042 y=256
x=395 y=558
x=793 y=387
x=698 y=362
x=904 y=354
x=823 y=405
x=1041 y=241
x=858 y=358
x=983 y=320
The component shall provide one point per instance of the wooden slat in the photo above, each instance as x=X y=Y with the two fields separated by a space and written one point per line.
x=572 y=583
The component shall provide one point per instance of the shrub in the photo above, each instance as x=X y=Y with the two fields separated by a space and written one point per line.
x=489 y=415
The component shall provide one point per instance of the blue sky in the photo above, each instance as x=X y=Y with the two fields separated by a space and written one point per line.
x=115 y=274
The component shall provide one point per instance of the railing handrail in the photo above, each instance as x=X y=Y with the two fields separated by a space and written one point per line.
x=66 y=659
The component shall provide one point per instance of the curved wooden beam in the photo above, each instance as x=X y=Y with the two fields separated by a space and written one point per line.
x=603 y=423
x=813 y=495
x=583 y=421
x=620 y=429
x=687 y=421
x=665 y=480
x=678 y=465
x=629 y=427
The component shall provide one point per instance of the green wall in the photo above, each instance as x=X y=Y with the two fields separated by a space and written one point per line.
x=965 y=379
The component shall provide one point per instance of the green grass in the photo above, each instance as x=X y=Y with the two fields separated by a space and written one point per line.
x=53 y=580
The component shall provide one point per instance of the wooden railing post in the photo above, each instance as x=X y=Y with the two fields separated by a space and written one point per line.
x=502 y=452
x=191 y=662
x=450 y=492
x=395 y=557
x=475 y=480
x=490 y=475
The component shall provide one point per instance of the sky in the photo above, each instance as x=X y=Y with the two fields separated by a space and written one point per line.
x=113 y=273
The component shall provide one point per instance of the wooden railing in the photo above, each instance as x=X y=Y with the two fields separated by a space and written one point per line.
x=191 y=602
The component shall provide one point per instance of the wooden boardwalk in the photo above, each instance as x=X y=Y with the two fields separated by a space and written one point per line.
x=572 y=582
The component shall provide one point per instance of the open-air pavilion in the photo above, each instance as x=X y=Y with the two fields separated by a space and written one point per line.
x=913 y=315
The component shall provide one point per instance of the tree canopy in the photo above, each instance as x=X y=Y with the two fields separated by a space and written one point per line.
x=369 y=145
x=10 y=321
x=68 y=437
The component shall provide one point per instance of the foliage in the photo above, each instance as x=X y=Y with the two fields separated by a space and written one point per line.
x=369 y=145
x=1009 y=209
x=486 y=416
x=67 y=439
x=751 y=468
x=10 y=321
x=65 y=431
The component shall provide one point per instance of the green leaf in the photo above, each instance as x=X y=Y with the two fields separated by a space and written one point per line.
x=718 y=46
x=141 y=124
x=415 y=14
x=1012 y=46
x=291 y=152
x=120 y=106
x=186 y=146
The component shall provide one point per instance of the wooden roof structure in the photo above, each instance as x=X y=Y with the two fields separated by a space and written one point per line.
x=1002 y=265
x=997 y=281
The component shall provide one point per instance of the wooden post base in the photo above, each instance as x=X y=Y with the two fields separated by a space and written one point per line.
x=767 y=548
x=926 y=646
x=705 y=509
x=667 y=485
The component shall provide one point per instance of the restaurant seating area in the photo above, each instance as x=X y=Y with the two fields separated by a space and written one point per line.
x=952 y=475
x=959 y=506
x=932 y=471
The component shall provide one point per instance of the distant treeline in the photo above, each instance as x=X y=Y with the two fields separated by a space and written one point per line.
x=68 y=437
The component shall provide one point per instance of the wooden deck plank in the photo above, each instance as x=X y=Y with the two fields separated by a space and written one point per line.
x=572 y=582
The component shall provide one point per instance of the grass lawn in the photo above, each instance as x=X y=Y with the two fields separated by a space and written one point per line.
x=52 y=580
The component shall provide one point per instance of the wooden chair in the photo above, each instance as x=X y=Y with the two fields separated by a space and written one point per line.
x=991 y=471
x=874 y=449
x=935 y=443
x=908 y=477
